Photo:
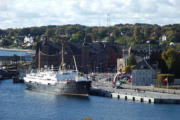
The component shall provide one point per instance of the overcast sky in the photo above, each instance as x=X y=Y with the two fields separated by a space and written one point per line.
x=27 y=13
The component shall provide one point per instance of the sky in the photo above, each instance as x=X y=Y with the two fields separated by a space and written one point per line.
x=28 y=13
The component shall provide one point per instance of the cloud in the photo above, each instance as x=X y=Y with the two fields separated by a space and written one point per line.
x=26 y=13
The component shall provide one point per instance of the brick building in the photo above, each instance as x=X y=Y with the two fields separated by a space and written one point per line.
x=90 y=57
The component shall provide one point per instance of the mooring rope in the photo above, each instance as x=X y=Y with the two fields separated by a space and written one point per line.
x=49 y=55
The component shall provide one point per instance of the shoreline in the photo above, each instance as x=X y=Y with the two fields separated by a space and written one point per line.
x=139 y=95
x=18 y=50
x=146 y=94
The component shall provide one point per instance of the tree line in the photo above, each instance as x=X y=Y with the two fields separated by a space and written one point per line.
x=125 y=34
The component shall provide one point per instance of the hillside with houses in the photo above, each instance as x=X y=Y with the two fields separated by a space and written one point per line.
x=135 y=35
x=98 y=48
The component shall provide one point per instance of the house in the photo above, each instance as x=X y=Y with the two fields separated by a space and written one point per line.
x=28 y=41
x=142 y=74
x=163 y=38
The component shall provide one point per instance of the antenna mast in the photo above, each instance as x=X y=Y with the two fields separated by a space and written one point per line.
x=108 y=20
x=108 y=24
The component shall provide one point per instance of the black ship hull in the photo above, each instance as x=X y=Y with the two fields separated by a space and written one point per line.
x=69 y=88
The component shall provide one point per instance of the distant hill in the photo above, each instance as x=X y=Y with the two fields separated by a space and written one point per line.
x=125 y=34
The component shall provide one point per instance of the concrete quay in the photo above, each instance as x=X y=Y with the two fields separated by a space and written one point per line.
x=139 y=96
x=146 y=94
x=149 y=97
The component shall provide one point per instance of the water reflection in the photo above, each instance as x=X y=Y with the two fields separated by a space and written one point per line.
x=74 y=97
x=53 y=97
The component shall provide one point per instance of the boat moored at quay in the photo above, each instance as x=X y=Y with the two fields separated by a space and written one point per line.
x=60 y=82
x=63 y=81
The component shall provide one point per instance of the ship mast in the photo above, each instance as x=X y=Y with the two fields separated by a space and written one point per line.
x=75 y=63
x=62 y=58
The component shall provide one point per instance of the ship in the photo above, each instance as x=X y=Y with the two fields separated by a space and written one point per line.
x=61 y=81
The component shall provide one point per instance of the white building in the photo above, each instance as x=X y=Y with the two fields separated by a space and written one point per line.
x=122 y=63
x=28 y=40
x=164 y=38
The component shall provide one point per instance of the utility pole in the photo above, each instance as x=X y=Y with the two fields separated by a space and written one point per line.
x=39 y=60
x=167 y=85
x=148 y=42
x=149 y=49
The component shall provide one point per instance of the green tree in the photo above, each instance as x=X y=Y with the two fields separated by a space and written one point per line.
x=157 y=30
x=78 y=37
x=173 y=36
x=37 y=31
x=7 y=42
x=50 y=33
x=24 y=32
x=131 y=60
x=94 y=34
x=116 y=33
x=88 y=38
x=102 y=33
x=170 y=58
x=137 y=34
x=147 y=32
x=127 y=69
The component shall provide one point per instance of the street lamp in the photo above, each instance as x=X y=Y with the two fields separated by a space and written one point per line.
x=148 y=42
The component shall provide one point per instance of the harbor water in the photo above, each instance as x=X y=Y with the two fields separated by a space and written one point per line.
x=17 y=103
x=25 y=54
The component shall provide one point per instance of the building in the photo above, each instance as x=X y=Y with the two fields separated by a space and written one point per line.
x=90 y=57
x=164 y=38
x=122 y=63
x=28 y=41
x=142 y=74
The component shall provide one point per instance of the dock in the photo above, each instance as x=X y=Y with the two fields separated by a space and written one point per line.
x=139 y=96
x=144 y=94
x=147 y=97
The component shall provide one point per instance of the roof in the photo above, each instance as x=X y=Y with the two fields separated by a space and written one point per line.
x=143 y=65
